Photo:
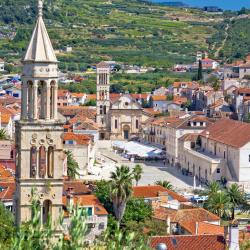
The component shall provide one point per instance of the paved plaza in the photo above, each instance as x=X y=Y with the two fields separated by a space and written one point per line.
x=152 y=171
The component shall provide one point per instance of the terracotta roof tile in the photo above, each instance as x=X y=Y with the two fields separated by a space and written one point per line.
x=88 y=200
x=229 y=132
x=77 y=187
x=7 y=190
x=153 y=191
x=80 y=139
x=190 y=242
x=159 y=98
x=185 y=215
x=91 y=97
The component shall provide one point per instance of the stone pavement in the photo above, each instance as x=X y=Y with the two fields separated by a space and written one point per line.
x=152 y=171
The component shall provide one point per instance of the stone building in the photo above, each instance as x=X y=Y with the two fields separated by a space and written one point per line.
x=119 y=118
x=38 y=133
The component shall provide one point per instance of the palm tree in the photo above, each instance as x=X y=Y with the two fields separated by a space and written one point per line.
x=219 y=203
x=72 y=166
x=236 y=196
x=121 y=190
x=213 y=188
x=165 y=184
x=3 y=134
x=137 y=171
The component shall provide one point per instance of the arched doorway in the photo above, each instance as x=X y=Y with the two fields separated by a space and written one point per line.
x=47 y=211
x=126 y=130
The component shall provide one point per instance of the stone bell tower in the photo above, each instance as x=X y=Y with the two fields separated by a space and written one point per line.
x=103 y=98
x=39 y=132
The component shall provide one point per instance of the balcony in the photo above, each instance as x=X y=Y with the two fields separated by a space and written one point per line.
x=206 y=156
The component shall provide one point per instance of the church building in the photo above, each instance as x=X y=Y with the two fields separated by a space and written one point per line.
x=118 y=118
x=39 y=142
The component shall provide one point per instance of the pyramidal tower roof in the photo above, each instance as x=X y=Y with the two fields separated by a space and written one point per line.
x=40 y=48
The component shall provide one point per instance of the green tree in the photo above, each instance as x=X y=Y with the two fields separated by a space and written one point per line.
x=102 y=191
x=137 y=210
x=137 y=171
x=3 y=134
x=7 y=227
x=200 y=74
x=91 y=103
x=212 y=189
x=9 y=67
x=236 y=196
x=219 y=204
x=72 y=166
x=165 y=184
x=121 y=190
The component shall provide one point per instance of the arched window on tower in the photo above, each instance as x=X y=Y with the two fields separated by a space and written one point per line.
x=47 y=211
x=41 y=95
x=42 y=162
x=30 y=105
x=33 y=162
x=50 y=162
x=104 y=109
x=52 y=99
x=101 y=109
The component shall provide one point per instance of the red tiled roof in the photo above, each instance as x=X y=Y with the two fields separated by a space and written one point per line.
x=229 y=132
x=5 y=173
x=159 y=98
x=185 y=215
x=74 y=110
x=77 y=187
x=243 y=90
x=88 y=200
x=80 y=139
x=180 y=99
x=91 y=97
x=151 y=111
x=62 y=93
x=190 y=242
x=7 y=190
x=153 y=191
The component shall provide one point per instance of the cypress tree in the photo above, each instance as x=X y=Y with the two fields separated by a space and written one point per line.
x=199 y=76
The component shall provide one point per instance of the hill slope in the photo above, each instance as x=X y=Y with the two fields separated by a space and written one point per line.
x=131 y=31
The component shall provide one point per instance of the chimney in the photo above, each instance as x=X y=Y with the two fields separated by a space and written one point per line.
x=168 y=225
x=196 y=228
x=234 y=236
x=207 y=134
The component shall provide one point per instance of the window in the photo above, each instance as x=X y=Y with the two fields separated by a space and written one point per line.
x=50 y=162
x=42 y=162
x=33 y=162
x=116 y=124
x=104 y=110
x=137 y=124
x=249 y=158
x=100 y=109
x=101 y=226
x=225 y=155
x=218 y=170
x=89 y=211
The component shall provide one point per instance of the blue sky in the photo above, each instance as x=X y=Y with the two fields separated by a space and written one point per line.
x=225 y=4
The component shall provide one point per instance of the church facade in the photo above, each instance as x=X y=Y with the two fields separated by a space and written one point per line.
x=40 y=155
x=119 y=118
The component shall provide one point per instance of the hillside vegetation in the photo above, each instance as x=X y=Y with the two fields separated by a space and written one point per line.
x=131 y=31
